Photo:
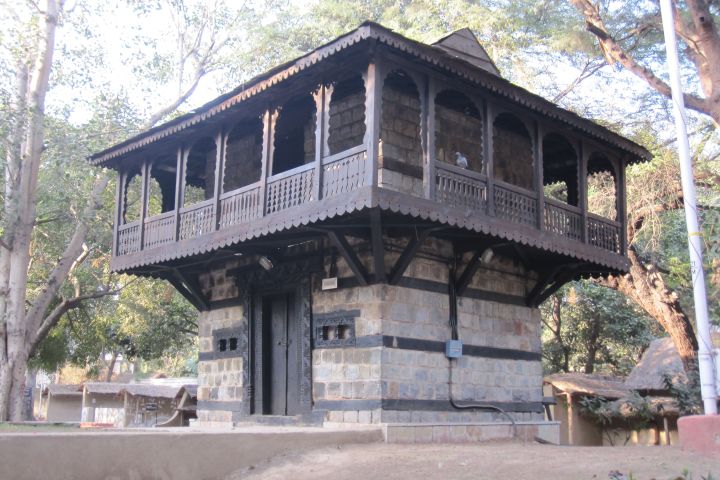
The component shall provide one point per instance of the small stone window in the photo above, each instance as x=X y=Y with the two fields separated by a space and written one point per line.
x=228 y=342
x=222 y=345
x=233 y=343
x=335 y=330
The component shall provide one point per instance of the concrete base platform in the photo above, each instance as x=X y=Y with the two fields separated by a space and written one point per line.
x=700 y=434
x=179 y=453
x=545 y=432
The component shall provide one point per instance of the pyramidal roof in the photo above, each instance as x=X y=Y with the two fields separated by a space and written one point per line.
x=464 y=45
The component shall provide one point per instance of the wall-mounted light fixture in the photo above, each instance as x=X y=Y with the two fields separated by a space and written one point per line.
x=266 y=263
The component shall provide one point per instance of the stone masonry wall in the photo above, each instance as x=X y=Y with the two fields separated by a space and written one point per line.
x=400 y=143
x=243 y=161
x=456 y=131
x=512 y=158
x=220 y=373
x=347 y=116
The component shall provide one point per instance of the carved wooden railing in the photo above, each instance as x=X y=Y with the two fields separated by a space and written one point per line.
x=128 y=239
x=460 y=187
x=159 y=230
x=515 y=204
x=290 y=189
x=241 y=205
x=197 y=219
x=344 y=172
x=563 y=219
x=603 y=233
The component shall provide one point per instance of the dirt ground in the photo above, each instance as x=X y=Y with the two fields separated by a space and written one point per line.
x=485 y=461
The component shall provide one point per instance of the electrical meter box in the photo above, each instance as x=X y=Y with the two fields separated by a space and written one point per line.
x=453 y=349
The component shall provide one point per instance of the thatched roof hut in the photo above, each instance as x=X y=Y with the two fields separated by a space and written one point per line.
x=661 y=358
x=588 y=384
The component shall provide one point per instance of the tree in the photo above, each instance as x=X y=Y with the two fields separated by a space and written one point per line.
x=590 y=328
x=30 y=309
x=630 y=35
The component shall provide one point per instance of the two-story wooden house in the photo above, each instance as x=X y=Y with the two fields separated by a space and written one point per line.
x=338 y=219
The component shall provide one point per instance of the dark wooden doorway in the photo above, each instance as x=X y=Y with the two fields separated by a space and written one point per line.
x=280 y=351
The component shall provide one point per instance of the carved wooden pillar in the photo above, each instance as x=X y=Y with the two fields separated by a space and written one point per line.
x=373 y=78
x=322 y=126
x=269 y=118
x=489 y=157
x=583 y=190
x=539 y=174
x=220 y=141
x=145 y=172
x=179 y=188
x=621 y=204
x=429 y=181
x=119 y=208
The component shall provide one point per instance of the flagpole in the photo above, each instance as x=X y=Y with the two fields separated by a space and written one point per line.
x=705 y=356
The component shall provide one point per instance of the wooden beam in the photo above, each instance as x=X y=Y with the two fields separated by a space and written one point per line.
x=542 y=283
x=377 y=245
x=189 y=289
x=407 y=255
x=350 y=257
x=469 y=272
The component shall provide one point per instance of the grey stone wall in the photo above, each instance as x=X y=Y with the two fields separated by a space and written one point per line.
x=512 y=158
x=347 y=116
x=456 y=131
x=220 y=374
x=243 y=158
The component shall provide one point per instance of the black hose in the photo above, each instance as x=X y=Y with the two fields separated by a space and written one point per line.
x=452 y=294
x=477 y=406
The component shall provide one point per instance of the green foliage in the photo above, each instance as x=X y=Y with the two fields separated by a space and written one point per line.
x=587 y=325
x=685 y=390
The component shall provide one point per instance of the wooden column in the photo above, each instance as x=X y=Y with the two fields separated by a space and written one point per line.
x=583 y=190
x=145 y=172
x=179 y=188
x=269 y=118
x=539 y=174
x=621 y=204
x=322 y=126
x=429 y=136
x=373 y=111
x=220 y=141
x=489 y=160
x=119 y=207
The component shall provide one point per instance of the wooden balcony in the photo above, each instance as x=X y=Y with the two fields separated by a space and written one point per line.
x=295 y=197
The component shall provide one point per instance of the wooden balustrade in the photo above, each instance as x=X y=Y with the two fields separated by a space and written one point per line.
x=563 y=219
x=460 y=188
x=348 y=171
x=603 y=233
x=344 y=172
x=197 y=219
x=290 y=189
x=128 y=240
x=159 y=230
x=241 y=205
x=515 y=204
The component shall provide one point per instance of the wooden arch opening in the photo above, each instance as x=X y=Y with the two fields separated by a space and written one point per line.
x=294 y=135
x=200 y=171
x=400 y=124
x=458 y=131
x=602 y=186
x=132 y=195
x=161 y=187
x=512 y=151
x=347 y=115
x=560 y=169
x=243 y=155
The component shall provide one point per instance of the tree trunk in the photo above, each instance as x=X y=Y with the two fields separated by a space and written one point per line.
x=111 y=367
x=592 y=344
x=646 y=287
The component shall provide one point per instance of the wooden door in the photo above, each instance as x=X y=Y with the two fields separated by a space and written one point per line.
x=280 y=374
